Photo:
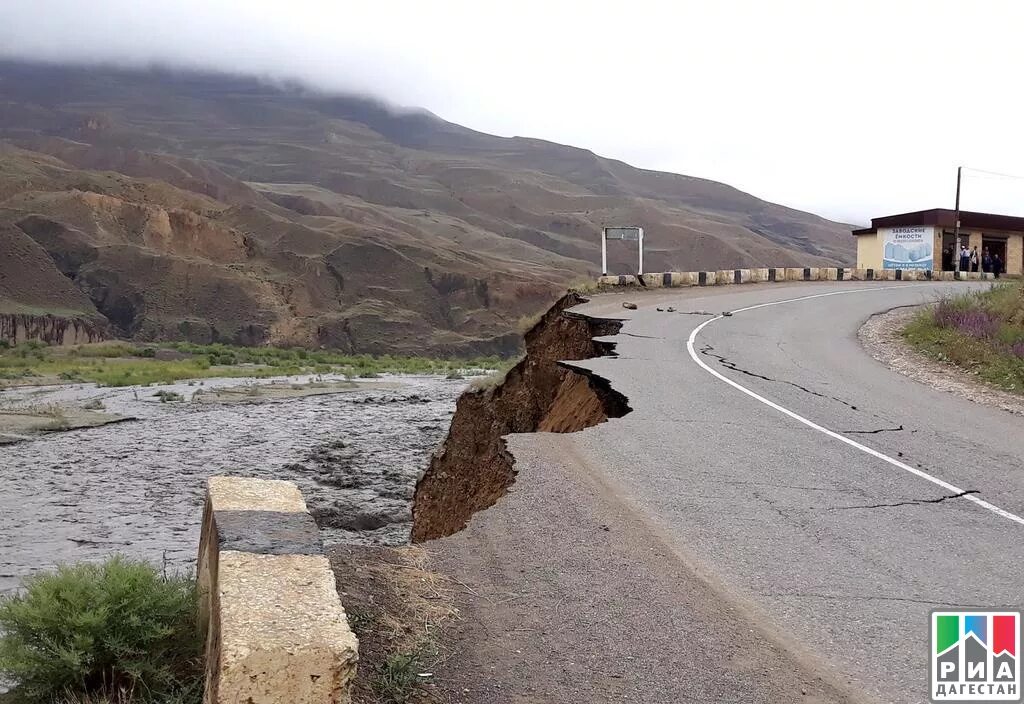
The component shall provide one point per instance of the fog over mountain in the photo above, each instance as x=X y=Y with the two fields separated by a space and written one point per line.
x=782 y=99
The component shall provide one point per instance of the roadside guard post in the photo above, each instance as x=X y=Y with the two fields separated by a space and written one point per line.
x=629 y=234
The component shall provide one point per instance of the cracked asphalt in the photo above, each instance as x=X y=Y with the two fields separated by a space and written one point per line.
x=815 y=562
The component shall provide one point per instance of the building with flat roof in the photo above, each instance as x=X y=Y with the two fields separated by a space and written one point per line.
x=925 y=240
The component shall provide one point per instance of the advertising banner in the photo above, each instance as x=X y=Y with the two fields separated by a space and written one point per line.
x=907 y=247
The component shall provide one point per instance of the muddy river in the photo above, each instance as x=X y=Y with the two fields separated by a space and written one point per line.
x=136 y=488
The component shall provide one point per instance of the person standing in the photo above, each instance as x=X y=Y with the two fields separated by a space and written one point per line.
x=965 y=259
x=947 y=258
x=997 y=265
x=974 y=259
x=986 y=261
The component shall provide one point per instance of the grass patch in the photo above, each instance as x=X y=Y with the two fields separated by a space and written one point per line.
x=398 y=608
x=125 y=364
x=982 y=332
x=114 y=632
x=398 y=679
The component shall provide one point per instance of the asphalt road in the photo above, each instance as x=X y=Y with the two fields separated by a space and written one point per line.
x=739 y=513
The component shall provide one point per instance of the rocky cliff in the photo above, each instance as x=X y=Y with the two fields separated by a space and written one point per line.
x=16 y=328
x=219 y=208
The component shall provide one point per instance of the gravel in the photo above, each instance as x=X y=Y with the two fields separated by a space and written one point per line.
x=881 y=337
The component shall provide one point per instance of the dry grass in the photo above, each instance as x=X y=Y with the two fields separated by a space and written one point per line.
x=398 y=608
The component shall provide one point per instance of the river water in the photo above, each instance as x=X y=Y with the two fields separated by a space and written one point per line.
x=137 y=488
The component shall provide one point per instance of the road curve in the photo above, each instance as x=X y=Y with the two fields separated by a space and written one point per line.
x=817 y=497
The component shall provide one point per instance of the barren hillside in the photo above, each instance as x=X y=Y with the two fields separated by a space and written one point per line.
x=213 y=207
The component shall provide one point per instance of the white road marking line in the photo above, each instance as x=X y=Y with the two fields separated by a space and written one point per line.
x=831 y=433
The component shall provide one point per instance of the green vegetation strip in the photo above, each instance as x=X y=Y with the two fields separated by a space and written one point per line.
x=126 y=364
x=982 y=332
x=121 y=632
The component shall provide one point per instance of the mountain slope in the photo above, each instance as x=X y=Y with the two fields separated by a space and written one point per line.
x=215 y=207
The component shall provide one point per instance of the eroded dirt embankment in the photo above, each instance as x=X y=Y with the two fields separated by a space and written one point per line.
x=51 y=329
x=473 y=469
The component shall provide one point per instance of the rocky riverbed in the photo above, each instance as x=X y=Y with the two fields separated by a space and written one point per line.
x=136 y=487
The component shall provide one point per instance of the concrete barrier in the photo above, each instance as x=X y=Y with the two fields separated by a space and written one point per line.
x=725 y=277
x=803 y=274
x=276 y=632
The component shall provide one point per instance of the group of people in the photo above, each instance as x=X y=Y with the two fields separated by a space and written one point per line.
x=970 y=260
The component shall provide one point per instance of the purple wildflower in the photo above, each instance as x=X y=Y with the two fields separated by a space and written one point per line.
x=973 y=322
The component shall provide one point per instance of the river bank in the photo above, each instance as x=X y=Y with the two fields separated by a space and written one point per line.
x=355 y=448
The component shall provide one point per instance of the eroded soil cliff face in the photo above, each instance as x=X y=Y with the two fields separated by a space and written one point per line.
x=51 y=329
x=473 y=468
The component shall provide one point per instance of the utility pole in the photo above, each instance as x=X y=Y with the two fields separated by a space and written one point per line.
x=956 y=224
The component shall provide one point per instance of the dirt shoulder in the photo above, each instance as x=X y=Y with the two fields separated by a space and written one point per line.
x=881 y=337
x=566 y=593
x=399 y=609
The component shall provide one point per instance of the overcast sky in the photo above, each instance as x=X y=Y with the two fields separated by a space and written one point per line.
x=848 y=109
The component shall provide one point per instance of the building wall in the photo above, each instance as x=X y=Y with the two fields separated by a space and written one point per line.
x=1015 y=254
x=869 y=251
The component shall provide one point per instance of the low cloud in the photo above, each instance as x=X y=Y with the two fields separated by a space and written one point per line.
x=850 y=110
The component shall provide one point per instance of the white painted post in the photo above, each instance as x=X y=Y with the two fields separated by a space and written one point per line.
x=640 y=248
x=604 y=252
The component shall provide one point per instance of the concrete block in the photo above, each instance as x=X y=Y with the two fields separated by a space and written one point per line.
x=247 y=494
x=947 y=276
x=741 y=276
x=276 y=632
x=608 y=280
x=794 y=274
x=683 y=278
x=987 y=275
x=885 y=275
x=284 y=637
x=652 y=280
x=758 y=275
x=725 y=277
x=829 y=274
x=973 y=275
x=628 y=280
x=777 y=274
x=706 y=278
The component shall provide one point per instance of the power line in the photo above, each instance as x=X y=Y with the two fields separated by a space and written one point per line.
x=993 y=173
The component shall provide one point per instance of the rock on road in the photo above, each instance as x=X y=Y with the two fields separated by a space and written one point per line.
x=710 y=547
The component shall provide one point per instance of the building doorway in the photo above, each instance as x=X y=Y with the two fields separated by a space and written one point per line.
x=995 y=245
x=951 y=250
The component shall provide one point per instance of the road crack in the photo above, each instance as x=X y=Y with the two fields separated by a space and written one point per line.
x=873 y=432
x=912 y=502
x=729 y=364
x=648 y=337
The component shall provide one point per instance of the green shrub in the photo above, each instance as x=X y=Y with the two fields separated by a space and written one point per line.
x=398 y=679
x=92 y=632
